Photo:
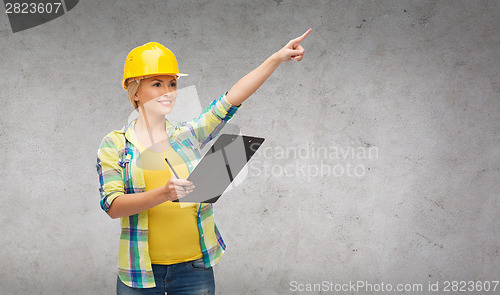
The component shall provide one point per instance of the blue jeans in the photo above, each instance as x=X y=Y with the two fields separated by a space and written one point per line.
x=190 y=277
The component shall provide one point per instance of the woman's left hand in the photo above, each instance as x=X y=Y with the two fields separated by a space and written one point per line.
x=293 y=49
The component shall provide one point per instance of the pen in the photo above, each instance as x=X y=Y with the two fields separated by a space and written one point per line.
x=174 y=172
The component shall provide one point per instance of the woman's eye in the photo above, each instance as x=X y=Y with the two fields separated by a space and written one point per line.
x=159 y=84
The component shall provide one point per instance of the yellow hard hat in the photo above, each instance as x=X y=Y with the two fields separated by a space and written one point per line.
x=149 y=59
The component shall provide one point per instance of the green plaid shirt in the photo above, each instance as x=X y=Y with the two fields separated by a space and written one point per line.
x=118 y=166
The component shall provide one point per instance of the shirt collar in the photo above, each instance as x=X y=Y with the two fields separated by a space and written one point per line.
x=130 y=132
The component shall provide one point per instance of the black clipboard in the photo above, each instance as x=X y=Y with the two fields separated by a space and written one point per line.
x=219 y=166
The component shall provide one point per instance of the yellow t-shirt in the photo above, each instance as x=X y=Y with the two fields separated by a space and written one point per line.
x=173 y=229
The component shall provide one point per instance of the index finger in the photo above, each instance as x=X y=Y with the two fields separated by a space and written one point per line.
x=299 y=39
x=182 y=181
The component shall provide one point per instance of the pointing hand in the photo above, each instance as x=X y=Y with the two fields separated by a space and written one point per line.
x=293 y=49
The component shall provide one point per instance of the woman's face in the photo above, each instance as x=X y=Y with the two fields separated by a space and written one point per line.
x=157 y=94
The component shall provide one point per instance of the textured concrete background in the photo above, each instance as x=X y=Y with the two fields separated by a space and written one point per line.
x=416 y=81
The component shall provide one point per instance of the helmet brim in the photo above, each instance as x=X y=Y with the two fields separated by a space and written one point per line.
x=177 y=76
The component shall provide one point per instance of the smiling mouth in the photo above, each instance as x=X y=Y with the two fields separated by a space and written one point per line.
x=165 y=102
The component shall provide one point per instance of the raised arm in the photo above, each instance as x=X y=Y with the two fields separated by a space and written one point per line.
x=247 y=85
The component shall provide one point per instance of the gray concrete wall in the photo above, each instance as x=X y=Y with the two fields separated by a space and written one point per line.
x=412 y=87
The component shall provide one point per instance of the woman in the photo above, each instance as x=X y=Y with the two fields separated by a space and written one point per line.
x=165 y=246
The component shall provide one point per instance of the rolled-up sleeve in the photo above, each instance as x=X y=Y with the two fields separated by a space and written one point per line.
x=212 y=119
x=110 y=173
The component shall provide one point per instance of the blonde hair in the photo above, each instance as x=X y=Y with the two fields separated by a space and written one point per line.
x=132 y=89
